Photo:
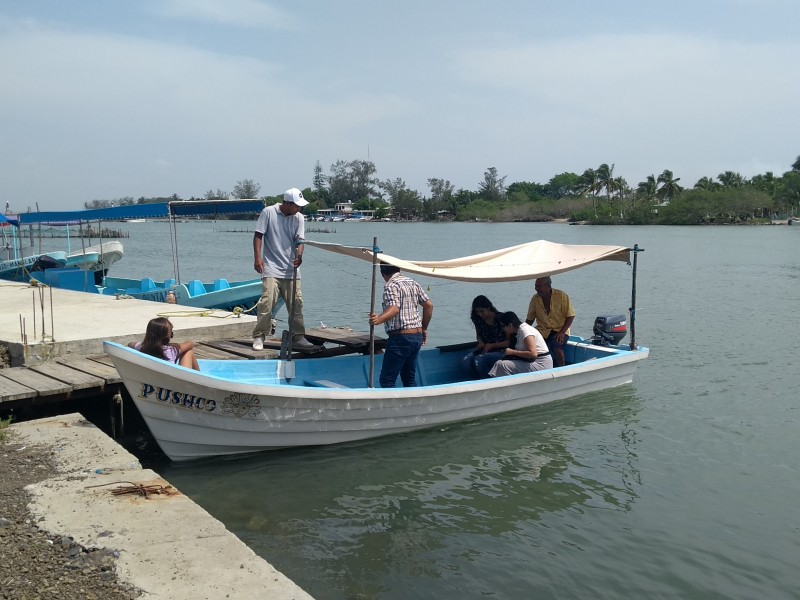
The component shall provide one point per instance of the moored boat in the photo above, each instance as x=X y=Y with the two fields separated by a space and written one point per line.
x=97 y=258
x=233 y=407
x=219 y=294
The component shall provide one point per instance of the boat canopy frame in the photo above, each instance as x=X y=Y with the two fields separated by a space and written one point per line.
x=171 y=211
x=527 y=261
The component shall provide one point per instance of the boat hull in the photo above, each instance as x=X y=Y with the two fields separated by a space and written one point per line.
x=97 y=259
x=19 y=269
x=234 y=407
x=216 y=295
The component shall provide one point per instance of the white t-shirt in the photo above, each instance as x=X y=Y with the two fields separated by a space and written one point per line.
x=526 y=330
x=277 y=246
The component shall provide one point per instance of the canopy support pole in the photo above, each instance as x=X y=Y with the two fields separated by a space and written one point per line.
x=288 y=335
x=632 y=309
x=375 y=251
x=173 y=238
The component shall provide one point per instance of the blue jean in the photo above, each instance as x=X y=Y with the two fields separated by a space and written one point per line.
x=400 y=357
x=480 y=364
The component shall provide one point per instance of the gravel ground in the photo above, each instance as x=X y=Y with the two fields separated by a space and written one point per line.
x=33 y=563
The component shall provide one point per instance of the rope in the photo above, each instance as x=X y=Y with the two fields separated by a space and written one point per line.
x=238 y=310
x=194 y=313
x=134 y=488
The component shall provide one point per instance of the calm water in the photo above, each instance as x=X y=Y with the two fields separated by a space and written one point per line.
x=682 y=485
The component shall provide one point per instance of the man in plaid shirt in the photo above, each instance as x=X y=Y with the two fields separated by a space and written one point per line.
x=406 y=330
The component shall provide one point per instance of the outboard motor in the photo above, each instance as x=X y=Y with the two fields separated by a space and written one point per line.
x=44 y=262
x=609 y=330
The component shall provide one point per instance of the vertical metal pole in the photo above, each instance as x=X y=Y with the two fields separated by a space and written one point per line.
x=33 y=303
x=632 y=309
x=372 y=310
x=52 y=321
x=286 y=343
x=292 y=308
x=41 y=302
x=173 y=237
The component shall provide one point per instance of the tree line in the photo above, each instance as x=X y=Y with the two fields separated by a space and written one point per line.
x=597 y=195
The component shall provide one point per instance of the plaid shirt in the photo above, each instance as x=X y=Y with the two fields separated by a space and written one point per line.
x=405 y=294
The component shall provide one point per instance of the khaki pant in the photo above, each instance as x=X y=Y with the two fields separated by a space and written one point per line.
x=271 y=290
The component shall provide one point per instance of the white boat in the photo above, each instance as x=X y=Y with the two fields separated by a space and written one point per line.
x=233 y=407
x=98 y=258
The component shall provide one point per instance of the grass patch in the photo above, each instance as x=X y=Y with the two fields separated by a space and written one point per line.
x=4 y=423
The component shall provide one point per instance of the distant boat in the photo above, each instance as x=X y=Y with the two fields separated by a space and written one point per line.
x=19 y=269
x=217 y=294
x=97 y=258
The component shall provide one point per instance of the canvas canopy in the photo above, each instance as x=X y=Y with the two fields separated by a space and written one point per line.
x=517 y=263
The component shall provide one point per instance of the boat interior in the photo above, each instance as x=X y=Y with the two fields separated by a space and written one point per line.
x=435 y=366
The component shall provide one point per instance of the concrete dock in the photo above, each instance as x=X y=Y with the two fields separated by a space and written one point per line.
x=167 y=545
x=51 y=345
x=40 y=324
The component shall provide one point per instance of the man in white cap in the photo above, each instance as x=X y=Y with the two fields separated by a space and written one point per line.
x=277 y=256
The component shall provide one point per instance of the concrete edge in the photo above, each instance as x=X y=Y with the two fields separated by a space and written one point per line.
x=167 y=545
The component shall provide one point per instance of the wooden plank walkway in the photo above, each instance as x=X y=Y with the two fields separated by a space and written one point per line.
x=85 y=376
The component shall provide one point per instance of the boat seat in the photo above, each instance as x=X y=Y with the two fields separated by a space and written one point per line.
x=147 y=285
x=168 y=283
x=324 y=383
x=196 y=288
x=221 y=284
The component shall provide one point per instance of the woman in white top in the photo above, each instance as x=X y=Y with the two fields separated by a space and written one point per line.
x=527 y=350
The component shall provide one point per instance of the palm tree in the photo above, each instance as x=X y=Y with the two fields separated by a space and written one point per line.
x=648 y=188
x=622 y=192
x=731 y=179
x=669 y=186
x=589 y=182
x=706 y=183
x=605 y=180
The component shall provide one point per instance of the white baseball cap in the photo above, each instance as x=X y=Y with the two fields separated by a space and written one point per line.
x=294 y=195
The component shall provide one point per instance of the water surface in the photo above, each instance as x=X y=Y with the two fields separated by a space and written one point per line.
x=681 y=485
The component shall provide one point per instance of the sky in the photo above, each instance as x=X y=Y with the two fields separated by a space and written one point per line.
x=113 y=99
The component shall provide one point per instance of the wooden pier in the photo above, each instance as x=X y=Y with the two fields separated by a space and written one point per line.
x=79 y=377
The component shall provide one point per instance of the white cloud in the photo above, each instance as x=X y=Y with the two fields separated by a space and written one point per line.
x=140 y=114
x=673 y=101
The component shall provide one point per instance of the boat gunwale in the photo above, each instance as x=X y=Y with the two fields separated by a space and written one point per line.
x=289 y=391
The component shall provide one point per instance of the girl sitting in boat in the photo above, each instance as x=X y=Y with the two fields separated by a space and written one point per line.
x=492 y=340
x=527 y=350
x=157 y=342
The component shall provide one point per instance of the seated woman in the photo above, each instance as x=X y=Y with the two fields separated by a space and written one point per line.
x=491 y=338
x=157 y=342
x=526 y=352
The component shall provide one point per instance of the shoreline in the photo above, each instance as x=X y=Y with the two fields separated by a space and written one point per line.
x=74 y=531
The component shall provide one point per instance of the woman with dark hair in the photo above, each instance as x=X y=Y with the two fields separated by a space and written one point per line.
x=492 y=340
x=157 y=342
x=526 y=352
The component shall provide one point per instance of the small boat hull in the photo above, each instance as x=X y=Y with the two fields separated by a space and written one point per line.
x=219 y=294
x=20 y=269
x=234 y=407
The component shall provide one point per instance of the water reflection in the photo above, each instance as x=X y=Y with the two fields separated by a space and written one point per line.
x=364 y=518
